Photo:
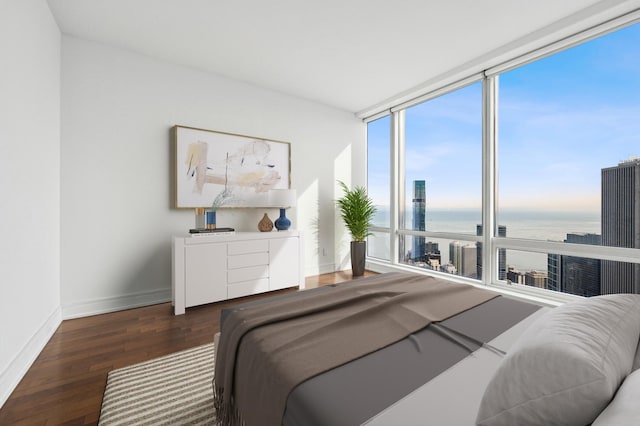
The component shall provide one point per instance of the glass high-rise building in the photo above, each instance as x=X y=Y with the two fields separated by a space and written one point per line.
x=575 y=275
x=554 y=269
x=419 y=224
x=621 y=225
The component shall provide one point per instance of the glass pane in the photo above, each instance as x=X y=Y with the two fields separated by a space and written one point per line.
x=462 y=258
x=566 y=124
x=378 y=246
x=548 y=225
x=571 y=274
x=443 y=162
x=378 y=168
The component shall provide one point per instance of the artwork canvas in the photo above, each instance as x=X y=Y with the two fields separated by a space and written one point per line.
x=234 y=170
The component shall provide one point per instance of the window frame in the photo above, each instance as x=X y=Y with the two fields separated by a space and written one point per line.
x=490 y=240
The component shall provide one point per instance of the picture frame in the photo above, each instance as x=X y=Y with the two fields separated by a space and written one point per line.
x=227 y=169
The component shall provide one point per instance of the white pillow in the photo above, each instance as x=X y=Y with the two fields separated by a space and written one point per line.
x=566 y=367
x=636 y=361
x=624 y=410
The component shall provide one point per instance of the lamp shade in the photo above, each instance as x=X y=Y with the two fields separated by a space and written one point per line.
x=282 y=198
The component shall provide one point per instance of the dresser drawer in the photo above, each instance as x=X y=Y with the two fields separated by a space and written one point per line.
x=207 y=269
x=246 y=288
x=247 y=274
x=247 y=260
x=246 y=247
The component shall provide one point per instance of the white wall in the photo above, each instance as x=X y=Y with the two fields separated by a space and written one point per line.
x=117 y=110
x=29 y=185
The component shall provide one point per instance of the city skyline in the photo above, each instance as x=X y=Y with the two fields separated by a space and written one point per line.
x=562 y=121
x=620 y=213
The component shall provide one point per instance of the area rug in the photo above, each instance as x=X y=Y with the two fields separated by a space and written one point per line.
x=174 y=389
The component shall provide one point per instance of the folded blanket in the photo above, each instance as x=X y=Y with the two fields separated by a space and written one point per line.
x=268 y=349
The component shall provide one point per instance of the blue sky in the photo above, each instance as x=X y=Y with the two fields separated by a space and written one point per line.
x=561 y=120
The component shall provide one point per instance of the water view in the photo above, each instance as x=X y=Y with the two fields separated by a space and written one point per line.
x=535 y=225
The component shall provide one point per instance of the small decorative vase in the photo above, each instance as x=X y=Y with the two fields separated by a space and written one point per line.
x=265 y=224
x=200 y=218
x=282 y=223
x=211 y=219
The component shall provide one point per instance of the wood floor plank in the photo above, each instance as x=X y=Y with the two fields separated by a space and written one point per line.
x=65 y=384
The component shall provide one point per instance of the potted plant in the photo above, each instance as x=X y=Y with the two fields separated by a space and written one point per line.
x=357 y=210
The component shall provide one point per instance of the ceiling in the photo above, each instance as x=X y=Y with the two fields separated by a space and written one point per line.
x=349 y=54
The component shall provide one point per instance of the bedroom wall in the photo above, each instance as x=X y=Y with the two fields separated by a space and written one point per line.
x=29 y=185
x=117 y=224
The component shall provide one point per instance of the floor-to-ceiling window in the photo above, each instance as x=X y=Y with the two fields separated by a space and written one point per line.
x=378 y=185
x=442 y=165
x=564 y=193
x=568 y=147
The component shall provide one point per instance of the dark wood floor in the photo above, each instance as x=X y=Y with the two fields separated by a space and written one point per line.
x=64 y=386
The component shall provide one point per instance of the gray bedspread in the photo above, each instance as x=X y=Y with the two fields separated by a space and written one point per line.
x=353 y=393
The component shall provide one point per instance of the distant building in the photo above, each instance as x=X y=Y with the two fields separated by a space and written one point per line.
x=432 y=252
x=536 y=279
x=621 y=225
x=419 y=223
x=502 y=254
x=434 y=264
x=463 y=257
x=554 y=271
x=431 y=248
x=515 y=276
x=449 y=269
x=575 y=275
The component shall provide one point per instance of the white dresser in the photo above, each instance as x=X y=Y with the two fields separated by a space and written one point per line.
x=217 y=267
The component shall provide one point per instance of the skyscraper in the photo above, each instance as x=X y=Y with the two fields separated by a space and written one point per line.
x=575 y=275
x=502 y=254
x=463 y=257
x=419 y=207
x=554 y=270
x=621 y=225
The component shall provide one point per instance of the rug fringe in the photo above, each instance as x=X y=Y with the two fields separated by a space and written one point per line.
x=227 y=413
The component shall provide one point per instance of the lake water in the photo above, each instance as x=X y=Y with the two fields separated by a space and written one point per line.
x=538 y=225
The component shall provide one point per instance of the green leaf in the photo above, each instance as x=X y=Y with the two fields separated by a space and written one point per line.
x=357 y=210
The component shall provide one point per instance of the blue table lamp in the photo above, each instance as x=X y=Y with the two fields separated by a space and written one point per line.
x=283 y=199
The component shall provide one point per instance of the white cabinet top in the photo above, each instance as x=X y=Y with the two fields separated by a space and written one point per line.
x=237 y=236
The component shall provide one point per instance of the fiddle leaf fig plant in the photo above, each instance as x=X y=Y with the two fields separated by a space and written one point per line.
x=357 y=210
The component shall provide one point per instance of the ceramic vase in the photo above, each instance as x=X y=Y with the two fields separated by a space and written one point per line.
x=265 y=224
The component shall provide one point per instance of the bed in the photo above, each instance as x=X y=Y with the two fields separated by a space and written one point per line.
x=483 y=362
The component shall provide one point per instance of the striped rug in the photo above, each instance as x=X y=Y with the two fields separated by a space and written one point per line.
x=171 y=390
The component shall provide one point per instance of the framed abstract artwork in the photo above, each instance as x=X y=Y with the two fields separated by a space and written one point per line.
x=226 y=170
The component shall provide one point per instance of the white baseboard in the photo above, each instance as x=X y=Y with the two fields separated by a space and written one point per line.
x=324 y=268
x=15 y=371
x=116 y=303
